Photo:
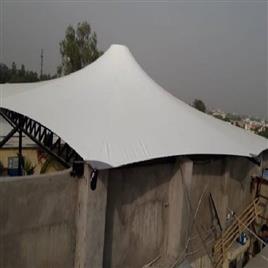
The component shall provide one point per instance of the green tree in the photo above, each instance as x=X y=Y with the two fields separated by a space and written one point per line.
x=29 y=167
x=22 y=75
x=78 y=49
x=44 y=77
x=4 y=73
x=14 y=68
x=22 y=71
x=199 y=105
x=264 y=133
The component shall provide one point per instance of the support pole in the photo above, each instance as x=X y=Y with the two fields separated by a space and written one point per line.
x=42 y=136
x=90 y=220
x=20 y=154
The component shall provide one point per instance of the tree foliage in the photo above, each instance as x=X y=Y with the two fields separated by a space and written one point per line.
x=21 y=75
x=4 y=73
x=29 y=167
x=264 y=133
x=78 y=49
x=199 y=105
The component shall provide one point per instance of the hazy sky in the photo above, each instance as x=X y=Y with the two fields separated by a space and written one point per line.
x=213 y=50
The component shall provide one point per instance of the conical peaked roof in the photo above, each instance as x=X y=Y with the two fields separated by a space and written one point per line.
x=112 y=113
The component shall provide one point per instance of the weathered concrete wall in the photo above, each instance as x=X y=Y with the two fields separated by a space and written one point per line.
x=146 y=217
x=151 y=208
x=137 y=214
x=37 y=221
x=240 y=170
x=264 y=189
x=228 y=180
x=90 y=220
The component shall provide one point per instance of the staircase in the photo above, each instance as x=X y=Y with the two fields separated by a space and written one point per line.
x=229 y=236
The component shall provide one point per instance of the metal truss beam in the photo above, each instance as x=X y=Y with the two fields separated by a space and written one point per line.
x=8 y=136
x=42 y=136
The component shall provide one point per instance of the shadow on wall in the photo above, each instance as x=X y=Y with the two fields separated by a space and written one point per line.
x=238 y=168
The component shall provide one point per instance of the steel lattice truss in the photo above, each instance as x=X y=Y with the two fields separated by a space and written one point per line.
x=42 y=136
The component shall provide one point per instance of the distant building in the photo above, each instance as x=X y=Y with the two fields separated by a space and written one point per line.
x=31 y=152
x=219 y=114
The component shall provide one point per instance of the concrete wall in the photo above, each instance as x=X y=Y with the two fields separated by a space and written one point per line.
x=146 y=218
x=37 y=221
x=228 y=180
x=151 y=208
x=139 y=214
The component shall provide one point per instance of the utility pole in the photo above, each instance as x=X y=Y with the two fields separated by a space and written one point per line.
x=42 y=62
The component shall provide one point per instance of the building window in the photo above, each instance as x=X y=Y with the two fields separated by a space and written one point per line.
x=13 y=166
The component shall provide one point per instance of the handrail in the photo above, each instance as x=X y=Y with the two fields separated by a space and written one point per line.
x=229 y=236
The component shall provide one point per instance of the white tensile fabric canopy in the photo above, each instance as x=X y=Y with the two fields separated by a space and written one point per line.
x=112 y=113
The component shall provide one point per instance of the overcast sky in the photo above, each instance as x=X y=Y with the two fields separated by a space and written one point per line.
x=212 y=50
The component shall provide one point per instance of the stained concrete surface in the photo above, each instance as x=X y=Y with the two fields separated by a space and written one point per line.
x=138 y=213
x=37 y=221
x=260 y=260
